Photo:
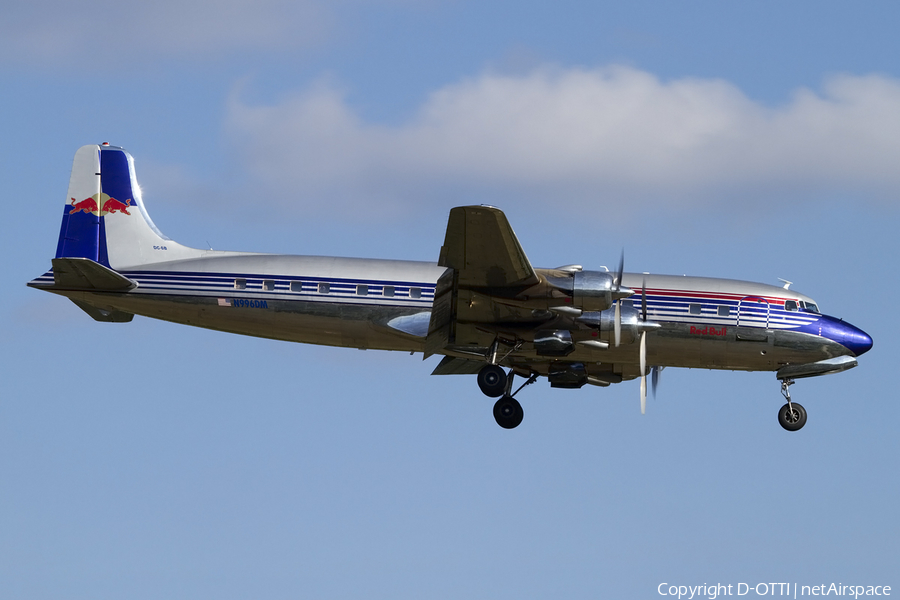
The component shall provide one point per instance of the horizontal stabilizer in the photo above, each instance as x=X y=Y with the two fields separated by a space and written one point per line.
x=823 y=367
x=86 y=274
x=107 y=316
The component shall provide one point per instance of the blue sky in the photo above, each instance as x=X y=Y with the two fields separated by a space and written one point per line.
x=751 y=141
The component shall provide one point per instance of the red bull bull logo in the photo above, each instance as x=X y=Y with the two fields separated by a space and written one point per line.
x=88 y=205
x=101 y=205
x=112 y=205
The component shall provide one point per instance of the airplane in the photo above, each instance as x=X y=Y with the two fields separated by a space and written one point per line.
x=482 y=306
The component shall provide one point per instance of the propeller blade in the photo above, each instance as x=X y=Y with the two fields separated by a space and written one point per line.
x=643 y=372
x=644 y=300
x=654 y=379
x=643 y=353
x=617 y=323
x=643 y=394
x=621 y=271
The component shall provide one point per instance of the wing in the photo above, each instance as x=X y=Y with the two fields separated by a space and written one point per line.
x=486 y=270
x=482 y=248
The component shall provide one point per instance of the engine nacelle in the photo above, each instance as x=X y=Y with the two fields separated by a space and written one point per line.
x=553 y=342
x=604 y=322
x=593 y=290
x=569 y=375
x=590 y=290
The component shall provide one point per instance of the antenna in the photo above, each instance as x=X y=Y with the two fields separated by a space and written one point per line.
x=787 y=284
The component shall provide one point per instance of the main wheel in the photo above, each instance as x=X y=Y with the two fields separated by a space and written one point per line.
x=508 y=412
x=792 y=416
x=492 y=381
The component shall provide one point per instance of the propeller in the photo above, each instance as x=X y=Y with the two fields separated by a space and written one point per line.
x=617 y=322
x=644 y=347
x=645 y=325
x=643 y=372
x=654 y=371
x=654 y=378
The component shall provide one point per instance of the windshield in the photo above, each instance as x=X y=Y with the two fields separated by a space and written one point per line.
x=810 y=306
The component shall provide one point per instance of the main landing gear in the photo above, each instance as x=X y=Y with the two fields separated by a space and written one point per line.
x=508 y=412
x=495 y=382
x=492 y=381
x=792 y=416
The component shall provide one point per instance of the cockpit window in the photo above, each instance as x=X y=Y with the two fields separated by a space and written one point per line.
x=810 y=306
x=790 y=305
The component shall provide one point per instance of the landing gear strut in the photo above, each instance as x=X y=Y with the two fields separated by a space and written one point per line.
x=495 y=382
x=792 y=416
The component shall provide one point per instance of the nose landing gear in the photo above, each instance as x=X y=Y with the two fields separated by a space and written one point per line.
x=792 y=416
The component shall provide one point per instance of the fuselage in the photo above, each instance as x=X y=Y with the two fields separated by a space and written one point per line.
x=386 y=304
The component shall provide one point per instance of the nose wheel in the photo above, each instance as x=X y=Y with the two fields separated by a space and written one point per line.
x=792 y=416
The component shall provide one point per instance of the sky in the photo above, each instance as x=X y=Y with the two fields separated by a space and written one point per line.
x=753 y=141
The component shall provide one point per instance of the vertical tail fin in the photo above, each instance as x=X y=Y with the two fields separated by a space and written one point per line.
x=79 y=235
x=105 y=219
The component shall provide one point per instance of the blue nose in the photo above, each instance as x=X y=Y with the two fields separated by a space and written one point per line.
x=856 y=340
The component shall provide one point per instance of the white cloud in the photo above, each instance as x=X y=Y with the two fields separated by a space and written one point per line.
x=103 y=33
x=580 y=136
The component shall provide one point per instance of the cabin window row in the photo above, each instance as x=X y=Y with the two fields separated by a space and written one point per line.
x=325 y=288
x=721 y=310
x=693 y=308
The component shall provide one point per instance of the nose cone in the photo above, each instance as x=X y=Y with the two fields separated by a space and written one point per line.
x=856 y=340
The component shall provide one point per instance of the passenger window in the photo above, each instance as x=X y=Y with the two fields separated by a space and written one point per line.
x=724 y=311
x=296 y=286
x=268 y=285
x=362 y=290
x=790 y=305
x=388 y=291
x=694 y=309
x=415 y=292
x=240 y=284
x=324 y=288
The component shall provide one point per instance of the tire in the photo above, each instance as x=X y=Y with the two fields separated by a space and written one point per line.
x=792 y=420
x=508 y=412
x=492 y=381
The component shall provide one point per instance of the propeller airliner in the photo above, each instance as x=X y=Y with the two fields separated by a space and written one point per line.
x=482 y=306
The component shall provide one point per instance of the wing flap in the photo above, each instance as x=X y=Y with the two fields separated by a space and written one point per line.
x=440 y=328
x=458 y=366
